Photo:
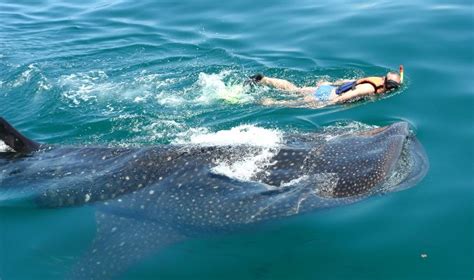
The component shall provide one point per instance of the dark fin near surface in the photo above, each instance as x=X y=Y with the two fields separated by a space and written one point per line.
x=15 y=139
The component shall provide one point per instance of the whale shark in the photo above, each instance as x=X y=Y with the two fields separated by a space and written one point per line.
x=147 y=198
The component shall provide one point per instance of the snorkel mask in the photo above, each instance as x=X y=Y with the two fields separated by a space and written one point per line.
x=391 y=84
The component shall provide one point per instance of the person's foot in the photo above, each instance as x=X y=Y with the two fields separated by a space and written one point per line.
x=254 y=79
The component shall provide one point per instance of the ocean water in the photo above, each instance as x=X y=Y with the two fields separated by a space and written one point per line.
x=134 y=73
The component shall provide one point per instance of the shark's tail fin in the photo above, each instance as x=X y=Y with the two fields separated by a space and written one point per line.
x=15 y=139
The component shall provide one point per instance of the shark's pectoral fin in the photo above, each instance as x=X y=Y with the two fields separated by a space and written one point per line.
x=121 y=242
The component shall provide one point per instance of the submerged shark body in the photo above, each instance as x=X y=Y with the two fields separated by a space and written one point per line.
x=147 y=198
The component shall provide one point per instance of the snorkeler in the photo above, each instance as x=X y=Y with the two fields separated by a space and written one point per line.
x=327 y=93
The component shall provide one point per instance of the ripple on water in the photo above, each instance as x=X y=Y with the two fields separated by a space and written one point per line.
x=146 y=72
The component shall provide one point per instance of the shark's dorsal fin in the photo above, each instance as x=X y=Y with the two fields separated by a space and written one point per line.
x=15 y=139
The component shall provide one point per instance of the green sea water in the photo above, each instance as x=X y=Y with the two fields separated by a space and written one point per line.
x=133 y=73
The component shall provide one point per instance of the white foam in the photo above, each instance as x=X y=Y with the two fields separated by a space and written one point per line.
x=95 y=85
x=4 y=148
x=240 y=135
x=265 y=142
x=170 y=99
x=246 y=167
x=27 y=75
x=82 y=87
x=213 y=88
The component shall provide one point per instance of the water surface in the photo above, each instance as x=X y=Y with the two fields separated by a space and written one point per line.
x=146 y=72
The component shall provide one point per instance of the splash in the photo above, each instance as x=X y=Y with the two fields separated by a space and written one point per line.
x=97 y=85
x=212 y=87
x=266 y=144
x=32 y=73
x=240 y=135
x=82 y=87
x=4 y=148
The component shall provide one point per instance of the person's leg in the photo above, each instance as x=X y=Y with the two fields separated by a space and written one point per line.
x=286 y=85
x=307 y=90
x=286 y=103
x=307 y=101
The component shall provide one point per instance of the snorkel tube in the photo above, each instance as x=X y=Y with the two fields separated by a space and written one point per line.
x=401 y=74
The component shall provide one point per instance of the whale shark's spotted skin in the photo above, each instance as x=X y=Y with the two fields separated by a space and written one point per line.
x=147 y=198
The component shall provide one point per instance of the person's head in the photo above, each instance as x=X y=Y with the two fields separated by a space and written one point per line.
x=392 y=81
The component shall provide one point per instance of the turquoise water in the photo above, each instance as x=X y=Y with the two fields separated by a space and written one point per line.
x=143 y=72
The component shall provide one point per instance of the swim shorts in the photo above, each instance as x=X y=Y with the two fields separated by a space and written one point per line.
x=323 y=92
